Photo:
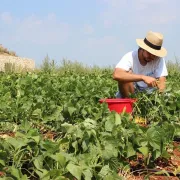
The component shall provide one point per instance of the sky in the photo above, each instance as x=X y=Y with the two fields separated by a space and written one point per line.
x=92 y=32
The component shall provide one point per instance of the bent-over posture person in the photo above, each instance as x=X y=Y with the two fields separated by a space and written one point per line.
x=143 y=69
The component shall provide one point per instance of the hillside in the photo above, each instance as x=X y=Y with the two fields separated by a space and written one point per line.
x=10 y=62
x=5 y=51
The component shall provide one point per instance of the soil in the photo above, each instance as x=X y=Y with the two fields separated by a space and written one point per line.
x=169 y=166
x=46 y=135
x=156 y=178
x=6 y=134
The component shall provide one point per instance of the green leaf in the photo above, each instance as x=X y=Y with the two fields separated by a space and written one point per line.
x=15 y=172
x=85 y=145
x=26 y=125
x=38 y=162
x=155 y=135
x=170 y=131
x=71 y=110
x=59 y=158
x=104 y=171
x=2 y=162
x=6 y=178
x=143 y=141
x=87 y=174
x=114 y=176
x=173 y=106
x=75 y=170
x=177 y=170
x=109 y=151
x=178 y=105
x=55 y=174
x=165 y=154
x=75 y=146
x=20 y=135
x=130 y=150
x=33 y=132
x=50 y=146
x=67 y=127
x=144 y=151
x=24 y=177
x=42 y=173
x=36 y=139
x=156 y=154
x=109 y=124
x=117 y=119
x=37 y=112
x=16 y=143
x=89 y=123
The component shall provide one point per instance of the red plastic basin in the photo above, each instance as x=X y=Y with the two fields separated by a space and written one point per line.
x=119 y=105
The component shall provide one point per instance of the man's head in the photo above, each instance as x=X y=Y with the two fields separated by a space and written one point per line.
x=152 y=45
x=147 y=56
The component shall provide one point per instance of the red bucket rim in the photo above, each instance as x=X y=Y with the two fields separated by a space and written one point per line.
x=120 y=100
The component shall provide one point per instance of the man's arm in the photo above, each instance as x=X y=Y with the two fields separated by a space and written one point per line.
x=122 y=75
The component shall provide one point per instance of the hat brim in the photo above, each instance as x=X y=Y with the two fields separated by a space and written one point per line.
x=160 y=53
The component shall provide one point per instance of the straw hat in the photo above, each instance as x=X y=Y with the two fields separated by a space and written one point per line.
x=153 y=44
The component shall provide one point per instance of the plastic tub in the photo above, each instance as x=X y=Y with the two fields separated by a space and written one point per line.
x=119 y=105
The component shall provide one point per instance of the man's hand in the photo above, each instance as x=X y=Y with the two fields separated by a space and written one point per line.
x=150 y=81
x=161 y=83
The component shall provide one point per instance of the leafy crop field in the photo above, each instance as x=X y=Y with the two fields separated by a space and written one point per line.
x=52 y=126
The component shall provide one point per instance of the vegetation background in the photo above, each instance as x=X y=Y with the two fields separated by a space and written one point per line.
x=52 y=125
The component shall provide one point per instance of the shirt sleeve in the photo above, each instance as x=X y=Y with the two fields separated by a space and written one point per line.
x=125 y=62
x=161 y=69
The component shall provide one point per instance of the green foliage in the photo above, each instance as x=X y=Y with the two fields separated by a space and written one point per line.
x=48 y=64
x=91 y=142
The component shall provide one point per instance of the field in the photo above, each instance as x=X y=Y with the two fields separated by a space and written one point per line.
x=52 y=126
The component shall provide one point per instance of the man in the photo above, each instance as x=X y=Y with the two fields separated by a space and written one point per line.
x=143 y=69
